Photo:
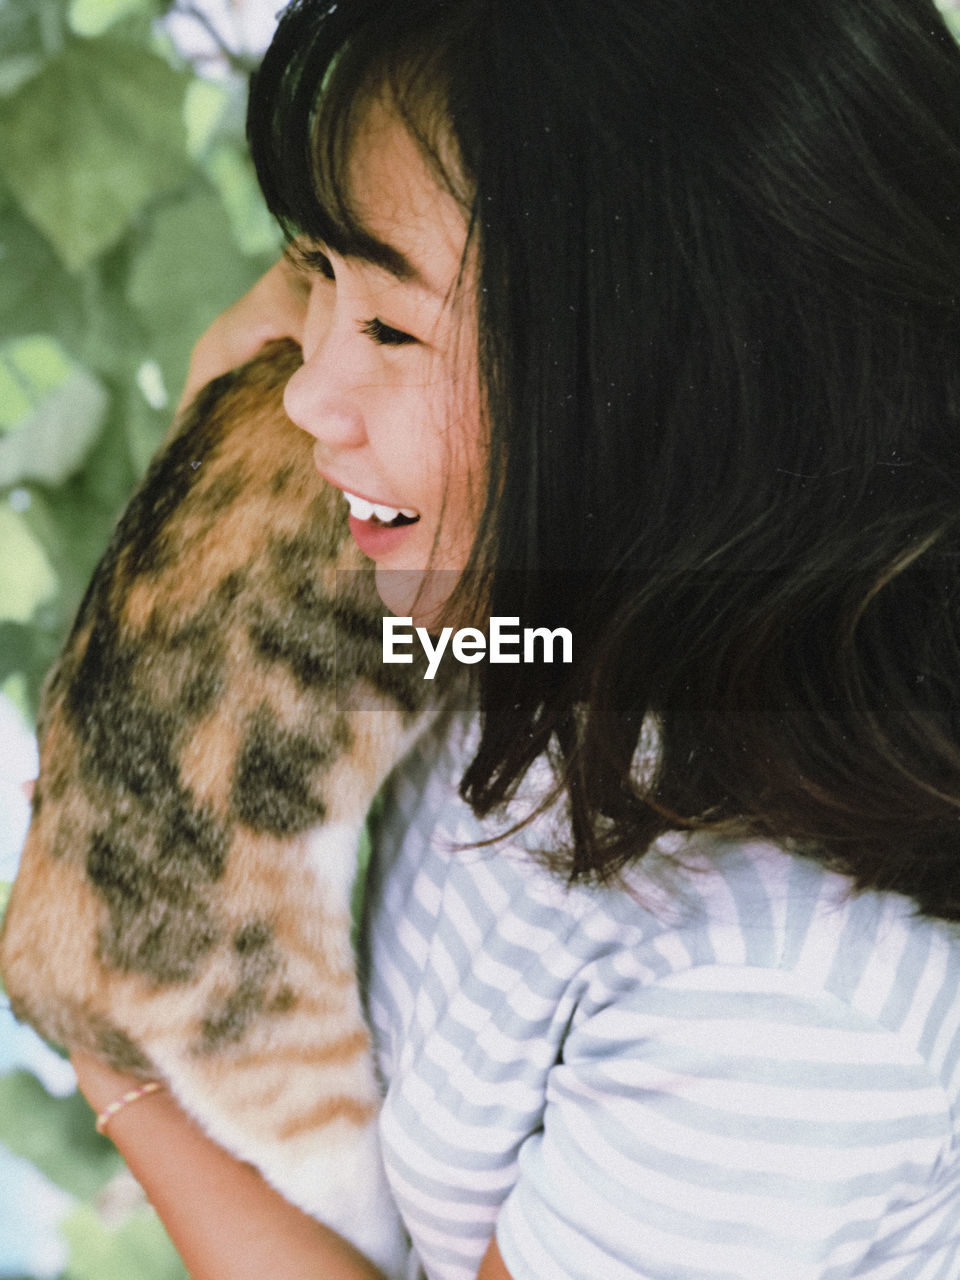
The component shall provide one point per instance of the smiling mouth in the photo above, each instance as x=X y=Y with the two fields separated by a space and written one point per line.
x=378 y=513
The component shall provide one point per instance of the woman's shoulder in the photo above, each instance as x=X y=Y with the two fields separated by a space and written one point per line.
x=728 y=1032
x=755 y=906
x=738 y=933
x=747 y=923
x=759 y=1045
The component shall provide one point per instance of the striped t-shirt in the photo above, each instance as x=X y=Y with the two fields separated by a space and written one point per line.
x=731 y=1069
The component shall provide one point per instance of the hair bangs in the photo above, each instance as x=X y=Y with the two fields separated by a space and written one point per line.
x=302 y=140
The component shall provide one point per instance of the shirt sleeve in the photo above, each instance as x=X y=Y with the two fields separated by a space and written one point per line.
x=726 y=1124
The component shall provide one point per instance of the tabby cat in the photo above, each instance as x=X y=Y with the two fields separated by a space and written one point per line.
x=211 y=738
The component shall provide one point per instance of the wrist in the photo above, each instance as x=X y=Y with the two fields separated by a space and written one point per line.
x=113 y=1094
x=141 y=1128
x=124 y=1100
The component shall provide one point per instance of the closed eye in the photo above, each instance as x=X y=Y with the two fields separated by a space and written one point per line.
x=384 y=334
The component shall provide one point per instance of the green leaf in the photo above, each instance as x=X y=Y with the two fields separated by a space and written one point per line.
x=90 y=140
x=27 y=578
x=30 y=31
x=73 y=526
x=187 y=271
x=51 y=409
x=38 y=295
x=14 y=689
x=114 y=341
x=26 y=654
x=17 y=70
x=951 y=15
x=30 y=369
x=253 y=228
x=138 y=1247
x=145 y=428
x=93 y=17
x=55 y=1134
x=203 y=112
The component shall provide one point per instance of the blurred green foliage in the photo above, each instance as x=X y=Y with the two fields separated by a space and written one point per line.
x=951 y=12
x=129 y=218
x=56 y=1135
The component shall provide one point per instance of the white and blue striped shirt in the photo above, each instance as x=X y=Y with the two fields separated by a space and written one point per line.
x=731 y=1069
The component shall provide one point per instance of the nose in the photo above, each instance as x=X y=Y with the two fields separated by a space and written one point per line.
x=321 y=397
x=316 y=400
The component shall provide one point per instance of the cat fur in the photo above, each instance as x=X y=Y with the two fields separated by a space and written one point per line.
x=211 y=738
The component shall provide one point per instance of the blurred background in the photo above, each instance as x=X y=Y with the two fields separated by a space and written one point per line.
x=129 y=218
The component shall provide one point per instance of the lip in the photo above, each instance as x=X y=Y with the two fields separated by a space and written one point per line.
x=374 y=540
x=377 y=540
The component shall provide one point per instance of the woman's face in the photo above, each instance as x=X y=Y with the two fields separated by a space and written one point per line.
x=389 y=381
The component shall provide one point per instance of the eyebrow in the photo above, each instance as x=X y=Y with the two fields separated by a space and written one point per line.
x=364 y=247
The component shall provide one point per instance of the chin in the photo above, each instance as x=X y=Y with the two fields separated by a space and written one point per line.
x=419 y=594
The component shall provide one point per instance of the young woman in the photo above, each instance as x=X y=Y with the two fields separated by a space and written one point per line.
x=646 y=314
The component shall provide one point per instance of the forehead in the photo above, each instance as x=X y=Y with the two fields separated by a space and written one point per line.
x=402 y=206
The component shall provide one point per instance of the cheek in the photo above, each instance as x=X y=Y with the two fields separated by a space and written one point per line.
x=469 y=449
x=435 y=440
x=464 y=442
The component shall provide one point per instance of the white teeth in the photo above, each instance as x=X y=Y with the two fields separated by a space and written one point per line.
x=361 y=509
x=385 y=514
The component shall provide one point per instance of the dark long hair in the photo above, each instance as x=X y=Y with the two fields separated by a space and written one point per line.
x=719 y=305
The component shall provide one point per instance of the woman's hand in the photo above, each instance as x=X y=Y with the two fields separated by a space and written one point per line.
x=275 y=307
x=224 y=1220
x=99 y=1083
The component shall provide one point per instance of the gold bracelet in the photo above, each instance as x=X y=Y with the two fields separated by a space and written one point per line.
x=134 y=1095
